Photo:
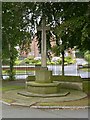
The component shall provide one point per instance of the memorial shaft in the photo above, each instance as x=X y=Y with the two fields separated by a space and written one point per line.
x=43 y=45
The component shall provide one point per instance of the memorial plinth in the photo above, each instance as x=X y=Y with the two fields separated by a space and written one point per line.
x=43 y=76
x=43 y=83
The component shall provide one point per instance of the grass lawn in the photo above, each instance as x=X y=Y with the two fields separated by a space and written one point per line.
x=10 y=85
x=13 y=87
x=19 y=71
x=82 y=102
x=7 y=87
x=85 y=69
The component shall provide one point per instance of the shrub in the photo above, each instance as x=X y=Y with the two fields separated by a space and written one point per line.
x=17 y=62
x=31 y=58
x=69 y=60
x=87 y=56
x=54 y=61
x=86 y=86
x=79 y=54
x=5 y=61
x=27 y=60
x=9 y=73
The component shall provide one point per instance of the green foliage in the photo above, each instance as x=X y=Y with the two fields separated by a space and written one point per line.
x=30 y=78
x=12 y=31
x=13 y=87
x=31 y=60
x=38 y=62
x=87 y=56
x=79 y=54
x=27 y=60
x=85 y=69
x=86 y=87
x=12 y=74
x=25 y=46
x=5 y=62
x=67 y=78
x=69 y=60
x=56 y=50
x=73 y=30
x=18 y=62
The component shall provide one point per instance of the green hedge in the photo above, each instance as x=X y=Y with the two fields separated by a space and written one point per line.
x=86 y=86
x=67 y=78
x=72 y=85
x=30 y=78
x=59 y=78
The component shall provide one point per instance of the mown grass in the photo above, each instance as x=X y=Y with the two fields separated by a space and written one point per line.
x=8 y=100
x=85 y=69
x=18 y=71
x=82 y=102
x=9 y=87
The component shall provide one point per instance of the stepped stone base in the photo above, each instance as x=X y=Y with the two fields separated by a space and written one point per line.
x=43 y=88
x=29 y=94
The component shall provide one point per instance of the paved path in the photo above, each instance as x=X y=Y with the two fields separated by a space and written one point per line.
x=27 y=112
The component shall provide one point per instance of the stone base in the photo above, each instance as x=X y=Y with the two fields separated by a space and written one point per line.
x=43 y=76
x=43 y=88
x=29 y=94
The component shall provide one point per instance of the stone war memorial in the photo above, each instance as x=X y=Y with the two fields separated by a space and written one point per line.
x=45 y=71
x=44 y=86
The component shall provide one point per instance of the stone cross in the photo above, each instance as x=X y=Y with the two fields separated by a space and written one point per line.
x=43 y=28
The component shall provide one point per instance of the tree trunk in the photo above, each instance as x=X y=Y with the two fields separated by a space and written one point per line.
x=11 y=72
x=63 y=63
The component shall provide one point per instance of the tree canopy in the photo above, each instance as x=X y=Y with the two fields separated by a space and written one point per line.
x=69 y=21
x=74 y=26
x=12 y=31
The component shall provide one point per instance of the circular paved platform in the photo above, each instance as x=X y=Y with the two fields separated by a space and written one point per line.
x=14 y=98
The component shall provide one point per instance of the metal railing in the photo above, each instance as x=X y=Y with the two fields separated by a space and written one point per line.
x=27 y=70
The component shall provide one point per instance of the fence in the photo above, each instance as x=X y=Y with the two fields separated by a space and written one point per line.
x=22 y=71
x=25 y=70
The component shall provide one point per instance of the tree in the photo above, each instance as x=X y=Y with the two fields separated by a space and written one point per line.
x=70 y=20
x=73 y=27
x=25 y=46
x=43 y=12
x=12 y=32
x=71 y=17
